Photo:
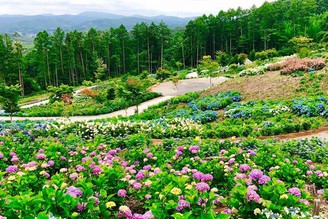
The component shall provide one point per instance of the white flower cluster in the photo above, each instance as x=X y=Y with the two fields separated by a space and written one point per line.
x=291 y=211
x=260 y=70
x=279 y=110
x=177 y=127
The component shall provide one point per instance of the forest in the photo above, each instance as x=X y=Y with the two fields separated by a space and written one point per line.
x=73 y=57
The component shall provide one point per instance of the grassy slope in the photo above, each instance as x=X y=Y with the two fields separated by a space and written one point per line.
x=271 y=85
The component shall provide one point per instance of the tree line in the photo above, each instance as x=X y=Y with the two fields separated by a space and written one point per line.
x=73 y=57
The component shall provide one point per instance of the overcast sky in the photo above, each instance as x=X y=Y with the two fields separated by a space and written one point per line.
x=181 y=8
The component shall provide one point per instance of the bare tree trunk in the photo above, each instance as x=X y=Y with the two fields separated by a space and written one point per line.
x=21 y=80
x=123 y=54
x=197 y=54
x=148 y=52
x=138 y=58
x=230 y=46
x=253 y=41
x=56 y=75
x=108 y=61
x=213 y=53
x=191 y=61
x=82 y=62
x=183 y=56
x=162 y=51
x=61 y=60
x=48 y=68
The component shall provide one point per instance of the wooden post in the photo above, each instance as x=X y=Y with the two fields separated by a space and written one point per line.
x=316 y=207
x=311 y=189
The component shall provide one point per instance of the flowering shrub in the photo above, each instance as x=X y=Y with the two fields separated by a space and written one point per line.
x=311 y=107
x=293 y=65
x=196 y=115
x=177 y=127
x=314 y=149
x=260 y=70
x=250 y=109
x=215 y=101
x=191 y=178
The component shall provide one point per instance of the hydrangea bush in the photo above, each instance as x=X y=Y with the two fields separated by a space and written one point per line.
x=191 y=178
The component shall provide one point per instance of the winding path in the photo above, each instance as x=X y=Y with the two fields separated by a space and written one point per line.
x=167 y=89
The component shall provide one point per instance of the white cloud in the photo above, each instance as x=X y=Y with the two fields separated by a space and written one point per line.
x=127 y=7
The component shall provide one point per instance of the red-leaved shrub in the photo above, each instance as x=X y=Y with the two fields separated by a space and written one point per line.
x=293 y=65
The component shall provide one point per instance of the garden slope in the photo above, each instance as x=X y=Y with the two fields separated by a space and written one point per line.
x=270 y=85
x=167 y=89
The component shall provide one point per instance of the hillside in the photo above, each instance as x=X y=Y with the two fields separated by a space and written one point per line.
x=33 y=24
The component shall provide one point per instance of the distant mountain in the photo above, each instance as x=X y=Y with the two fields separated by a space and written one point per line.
x=35 y=23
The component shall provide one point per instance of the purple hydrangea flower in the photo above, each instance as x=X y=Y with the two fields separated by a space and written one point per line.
x=264 y=179
x=308 y=162
x=148 y=215
x=240 y=176
x=74 y=192
x=14 y=159
x=122 y=193
x=79 y=168
x=11 y=169
x=207 y=177
x=295 y=191
x=140 y=175
x=73 y=176
x=194 y=149
x=125 y=211
x=319 y=173
x=182 y=204
x=147 y=167
x=97 y=170
x=252 y=196
x=81 y=207
x=202 y=187
x=231 y=161
x=51 y=163
x=244 y=168
x=157 y=170
x=252 y=153
x=149 y=155
x=256 y=174
x=96 y=200
x=137 y=185
x=320 y=191
x=198 y=175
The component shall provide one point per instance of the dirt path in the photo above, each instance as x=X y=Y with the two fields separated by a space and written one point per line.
x=188 y=85
x=319 y=133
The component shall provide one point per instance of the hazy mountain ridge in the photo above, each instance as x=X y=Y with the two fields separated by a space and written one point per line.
x=35 y=23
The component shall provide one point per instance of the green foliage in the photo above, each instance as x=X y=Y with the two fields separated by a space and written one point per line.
x=207 y=66
x=101 y=69
x=267 y=54
x=163 y=74
x=9 y=96
x=87 y=83
x=31 y=86
x=301 y=45
x=58 y=92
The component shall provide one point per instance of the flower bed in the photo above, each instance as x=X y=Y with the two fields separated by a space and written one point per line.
x=180 y=179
